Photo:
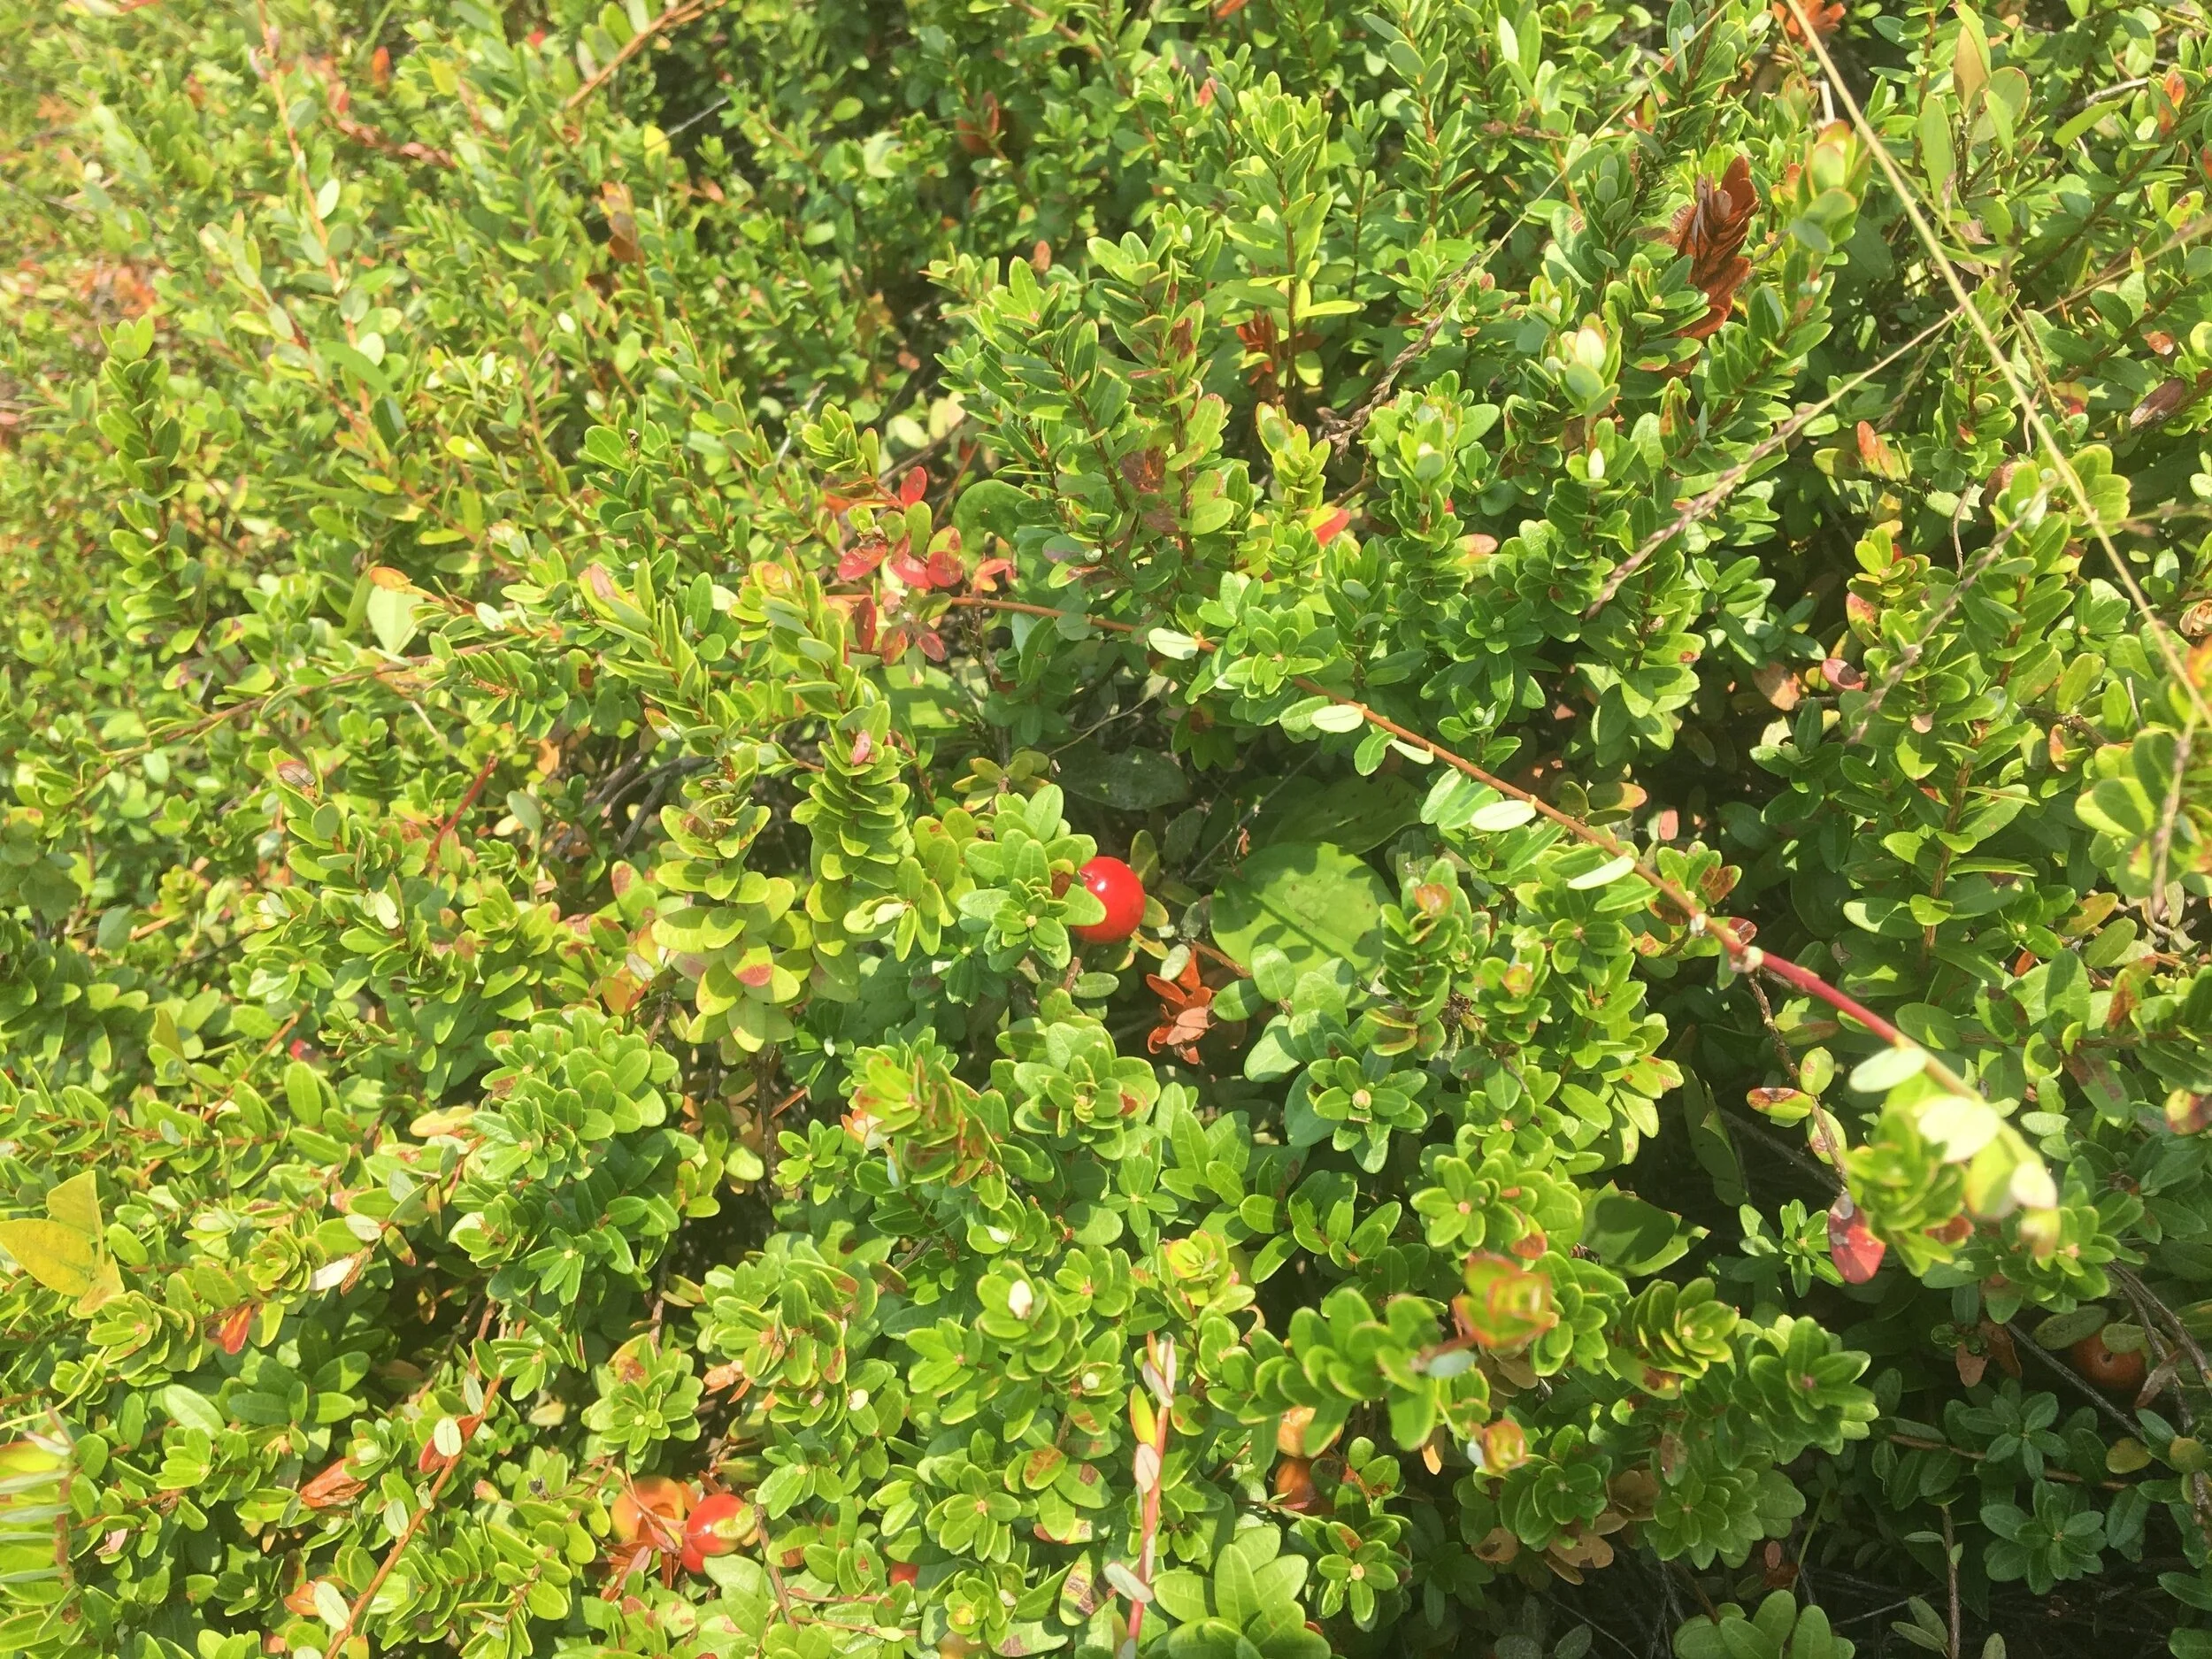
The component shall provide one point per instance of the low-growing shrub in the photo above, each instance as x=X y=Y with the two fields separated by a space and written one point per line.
x=588 y=589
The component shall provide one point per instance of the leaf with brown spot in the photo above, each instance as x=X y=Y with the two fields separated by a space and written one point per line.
x=1779 y=686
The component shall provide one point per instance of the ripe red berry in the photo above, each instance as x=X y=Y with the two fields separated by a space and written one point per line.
x=652 y=1511
x=1115 y=885
x=2120 y=1373
x=720 y=1523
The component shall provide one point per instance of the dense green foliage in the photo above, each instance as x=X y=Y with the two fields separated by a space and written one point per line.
x=581 y=584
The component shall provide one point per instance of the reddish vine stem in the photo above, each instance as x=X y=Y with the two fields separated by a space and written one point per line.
x=483 y=777
x=254 y=705
x=1162 y=1355
x=675 y=17
x=359 y=1609
x=1744 y=956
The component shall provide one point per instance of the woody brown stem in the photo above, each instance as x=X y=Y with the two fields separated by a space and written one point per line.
x=683 y=11
x=359 y=1609
x=1163 y=1358
x=1744 y=956
x=467 y=800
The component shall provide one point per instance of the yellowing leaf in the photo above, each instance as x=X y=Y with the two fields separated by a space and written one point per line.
x=75 y=1203
x=59 y=1258
x=64 y=1252
x=391 y=613
x=107 y=1285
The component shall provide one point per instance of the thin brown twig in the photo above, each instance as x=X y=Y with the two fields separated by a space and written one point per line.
x=1949 y=603
x=1059 y=28
x=483 y=777
x=2031 y=412
x=1161 y=1352
x=1744 y=956
x=1951 y=1580
x=2132 y=1284
x=2169 y=815
x=251 y=705
x=1919 y=1444
x=359 y=1609
x=1726 y=485
x=1340 y=430
x=2156 y=1332
x=675 y=17
x=338 y=104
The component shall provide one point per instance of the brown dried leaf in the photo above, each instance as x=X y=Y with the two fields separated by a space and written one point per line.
x=335 y=1487
x=1710 y=233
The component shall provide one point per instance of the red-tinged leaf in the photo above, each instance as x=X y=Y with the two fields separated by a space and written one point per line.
x=1875 y=454
x=944 y=569
x=1779 y=686
x=1145 y=469
x=933 y=645
x=620 y=991
x=626 y=1562
x=863 y=747
x=301 y=1599
x=2176 y=89
x=1504 y=1445
x=757 y=975
x=861 y=557
x=860 y=617
x=1507 y=1305
x=1332 y=527
x=976 y=134
x=909 y=570
x=1841 y=675
x=2187 y=1113
x=913 y=485
x=237 y=1324
x=986 y=574
x=1852 y=1245
x=1780 y=1573
x=1788 y=1105
x=331 y=1489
